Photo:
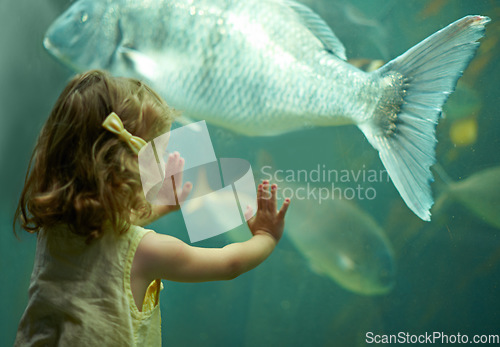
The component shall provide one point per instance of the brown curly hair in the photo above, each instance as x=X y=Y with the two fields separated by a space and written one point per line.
x=79 y=173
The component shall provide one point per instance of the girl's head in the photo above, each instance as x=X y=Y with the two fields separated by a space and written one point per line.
x=81 y=174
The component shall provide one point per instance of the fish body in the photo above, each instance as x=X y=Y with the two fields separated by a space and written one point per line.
x=272 y=66
x=214 y=61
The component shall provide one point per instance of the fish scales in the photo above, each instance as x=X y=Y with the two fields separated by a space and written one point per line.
x=214 y=53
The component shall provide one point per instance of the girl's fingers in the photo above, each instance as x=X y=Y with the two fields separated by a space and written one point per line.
x=265 y=195
x=179 y=162
x=272 y=200
x=169 y=166
x=284 y=208
x=185 y=192
x=248 y=213
x=175 y=163
x=179 y=172
x=175 y=167
x=172 y=165
x=259 y=197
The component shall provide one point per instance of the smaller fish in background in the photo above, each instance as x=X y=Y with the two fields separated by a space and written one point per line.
x=479 y=193
x=343 y=243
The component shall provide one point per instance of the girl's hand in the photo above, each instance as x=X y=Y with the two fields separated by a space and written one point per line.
x=171 y=195
x=267 y=220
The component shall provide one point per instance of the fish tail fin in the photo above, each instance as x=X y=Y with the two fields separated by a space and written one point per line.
x=415 y=87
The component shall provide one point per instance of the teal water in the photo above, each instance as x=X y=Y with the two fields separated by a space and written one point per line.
x=447 y=271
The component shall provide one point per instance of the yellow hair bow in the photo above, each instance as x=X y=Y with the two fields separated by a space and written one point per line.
x=114 y=124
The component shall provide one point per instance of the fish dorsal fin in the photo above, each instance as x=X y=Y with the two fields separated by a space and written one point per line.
x=319 y=28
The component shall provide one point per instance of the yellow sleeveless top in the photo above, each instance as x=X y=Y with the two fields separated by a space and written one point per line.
x=80 y=294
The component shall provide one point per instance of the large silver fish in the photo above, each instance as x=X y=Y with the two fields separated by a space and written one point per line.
x=264 y=67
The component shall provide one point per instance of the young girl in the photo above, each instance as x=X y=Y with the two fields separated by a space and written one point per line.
x=96 y=277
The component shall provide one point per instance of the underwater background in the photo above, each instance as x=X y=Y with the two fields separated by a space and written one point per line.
x=438 y=276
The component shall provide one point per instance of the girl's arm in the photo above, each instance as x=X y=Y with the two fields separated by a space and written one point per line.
x=162 y=256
